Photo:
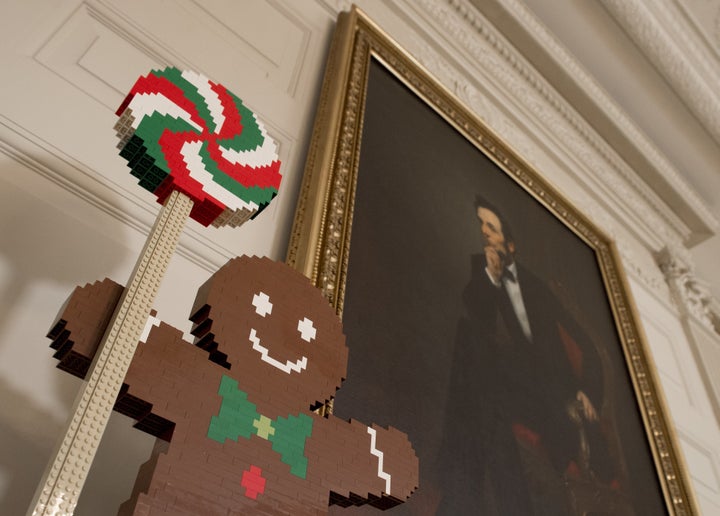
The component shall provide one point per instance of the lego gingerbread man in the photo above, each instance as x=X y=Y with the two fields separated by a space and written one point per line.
x=233 y=413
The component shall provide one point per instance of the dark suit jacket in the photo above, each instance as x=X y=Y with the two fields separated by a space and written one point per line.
x=511 y=380
x=500 y=381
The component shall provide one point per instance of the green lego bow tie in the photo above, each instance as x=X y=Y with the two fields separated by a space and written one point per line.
x=239 y=417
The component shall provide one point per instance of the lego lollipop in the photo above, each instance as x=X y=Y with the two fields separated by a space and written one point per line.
x=181 y=132
x=205 y=155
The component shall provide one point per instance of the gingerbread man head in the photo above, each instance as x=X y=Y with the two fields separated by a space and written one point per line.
x=261 y=319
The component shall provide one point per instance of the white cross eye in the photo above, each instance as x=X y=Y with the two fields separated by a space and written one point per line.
x=306 y=329
x=262 y=304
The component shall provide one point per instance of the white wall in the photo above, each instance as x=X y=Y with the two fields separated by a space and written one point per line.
x=70 y=212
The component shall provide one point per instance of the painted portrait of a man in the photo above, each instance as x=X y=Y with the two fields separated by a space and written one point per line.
x=541 y=383
x=479 y=323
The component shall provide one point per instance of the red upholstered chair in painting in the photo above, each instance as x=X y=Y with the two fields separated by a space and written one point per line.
x=585 y=492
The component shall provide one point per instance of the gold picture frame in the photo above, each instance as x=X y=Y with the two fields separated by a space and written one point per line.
x=320 y=248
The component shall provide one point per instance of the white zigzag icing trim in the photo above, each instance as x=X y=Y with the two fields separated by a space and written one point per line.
x=151 y=321
x=154 y=321
x=374 y=451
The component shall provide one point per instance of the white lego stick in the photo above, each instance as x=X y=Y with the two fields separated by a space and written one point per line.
x=60 y=488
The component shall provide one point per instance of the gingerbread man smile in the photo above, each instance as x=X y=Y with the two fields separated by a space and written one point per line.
x=263 y=307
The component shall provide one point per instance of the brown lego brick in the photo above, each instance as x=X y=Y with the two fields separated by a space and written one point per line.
x=84 y=316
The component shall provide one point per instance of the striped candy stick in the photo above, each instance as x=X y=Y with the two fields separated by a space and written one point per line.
x=203 y=154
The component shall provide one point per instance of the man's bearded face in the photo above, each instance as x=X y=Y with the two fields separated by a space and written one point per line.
x=491 y=229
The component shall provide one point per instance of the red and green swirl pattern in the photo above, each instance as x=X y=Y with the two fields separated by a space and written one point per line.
x=180 y=131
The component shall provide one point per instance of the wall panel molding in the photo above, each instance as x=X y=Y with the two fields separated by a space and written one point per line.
x=62 y=170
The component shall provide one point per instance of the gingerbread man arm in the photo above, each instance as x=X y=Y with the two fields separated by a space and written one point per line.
x=81 y=324
x=162 y=366
x=363 y=465
x=76 y=336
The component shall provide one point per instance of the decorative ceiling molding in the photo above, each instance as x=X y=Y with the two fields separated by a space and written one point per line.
x=692 y=293
x=648 y=163
x=704 y=18
x=685 y=64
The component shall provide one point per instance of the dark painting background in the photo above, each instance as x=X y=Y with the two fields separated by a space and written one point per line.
x=414 y=230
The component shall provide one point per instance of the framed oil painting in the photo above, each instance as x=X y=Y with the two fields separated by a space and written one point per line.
x=485 y=315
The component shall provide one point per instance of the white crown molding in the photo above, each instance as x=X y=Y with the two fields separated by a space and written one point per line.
x=663 y=35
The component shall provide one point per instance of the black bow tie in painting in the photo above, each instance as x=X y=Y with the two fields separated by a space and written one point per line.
x=509 y=275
